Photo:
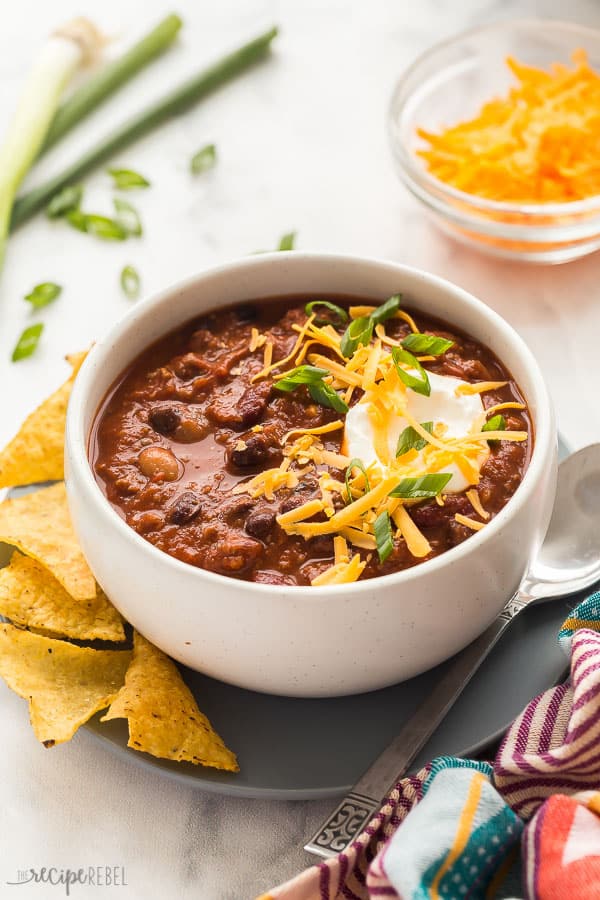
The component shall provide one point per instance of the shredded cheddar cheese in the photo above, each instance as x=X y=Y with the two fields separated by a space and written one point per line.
x=475 y=501
x=537 y=144
x=416 y=541
x=342 y=572
x=473 y=524
x=256 y=340
x=479 y=387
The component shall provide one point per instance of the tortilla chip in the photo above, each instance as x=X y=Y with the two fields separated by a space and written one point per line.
x=40 y=526
x=36 y=452
x=32 y=598
x=64 y=684
x=164 y=719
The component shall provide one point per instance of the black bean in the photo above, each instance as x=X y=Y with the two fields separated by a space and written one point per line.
x=250 y=451
x=260 y=522
x=164 y=419
x=186 y=507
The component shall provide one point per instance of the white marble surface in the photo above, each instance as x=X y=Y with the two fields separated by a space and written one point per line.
x=301 y=146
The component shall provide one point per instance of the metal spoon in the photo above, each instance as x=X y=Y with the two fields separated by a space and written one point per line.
x=568 y=561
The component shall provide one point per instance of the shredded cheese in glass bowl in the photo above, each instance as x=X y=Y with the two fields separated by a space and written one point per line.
x=495 y=131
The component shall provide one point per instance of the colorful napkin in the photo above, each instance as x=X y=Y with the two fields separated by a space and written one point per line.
x=526 y=827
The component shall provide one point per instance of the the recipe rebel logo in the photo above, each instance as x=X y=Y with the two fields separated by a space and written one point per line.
x=90 y=876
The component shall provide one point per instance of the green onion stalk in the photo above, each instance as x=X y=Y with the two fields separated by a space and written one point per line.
x=64 y=52
x=174 y=103
x=99 y=86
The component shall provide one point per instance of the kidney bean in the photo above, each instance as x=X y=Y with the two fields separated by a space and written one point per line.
x=158 y=462
x=247 y=410
x=186 y=507
x=164 y=419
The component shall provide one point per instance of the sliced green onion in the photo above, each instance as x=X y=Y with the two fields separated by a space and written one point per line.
x=287 y=241
x=426 y=343
x=59 y=59
x=312 y=376
x=43 y=294
x=412 y=440
x=77 y=219
x=130 y=282
x=356 y=463
x=128 y=217
x=383 y=535
x=69 y=198
x=28 y=342
x=300 y=375
x=204 y=159
x=386 y=310
x=126 y=179
x=359 y=331
x=496 y=423
x=424 y=487
x=325 y=395
x=100 y=226
x=419 y=382
x=336 y=310
x=176 y=102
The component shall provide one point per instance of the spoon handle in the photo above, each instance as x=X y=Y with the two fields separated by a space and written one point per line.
x=364 y=800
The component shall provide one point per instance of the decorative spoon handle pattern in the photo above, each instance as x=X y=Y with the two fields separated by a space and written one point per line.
x=351 y=815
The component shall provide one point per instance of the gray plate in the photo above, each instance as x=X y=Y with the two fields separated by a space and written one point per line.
x=303 y=749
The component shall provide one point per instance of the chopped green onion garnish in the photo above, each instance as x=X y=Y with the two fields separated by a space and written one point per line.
x=337 y=310
x=312 y=376
x=43 y=294
x=77 y=219
x=426 y=343
x=386 y=310
x=325 y=395
x=411 y=439
x=27 y=342
x=418 y=382
x=287 y=241
x=130 y=282
x=66 y=200
x=359 y=331
x=383 y=535
x=496 y=423
x=300 y=375
x=126 y=179
x=101 y=226
x=356 y=463
x=128 y=217
x=419 y=488
x=105 y=228
x=203 y=160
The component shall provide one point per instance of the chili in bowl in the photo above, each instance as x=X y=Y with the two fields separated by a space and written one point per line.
x=310 y=474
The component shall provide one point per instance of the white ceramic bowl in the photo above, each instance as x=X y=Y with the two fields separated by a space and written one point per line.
x=306 y=641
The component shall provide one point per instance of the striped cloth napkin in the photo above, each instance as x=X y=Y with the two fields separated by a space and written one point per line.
x=526 y=827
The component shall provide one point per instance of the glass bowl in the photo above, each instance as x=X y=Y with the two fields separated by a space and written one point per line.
x=449 y=83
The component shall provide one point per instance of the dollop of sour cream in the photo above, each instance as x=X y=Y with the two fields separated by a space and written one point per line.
x=458 y=412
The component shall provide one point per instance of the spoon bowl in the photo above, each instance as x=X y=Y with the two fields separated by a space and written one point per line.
x=569 y=559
